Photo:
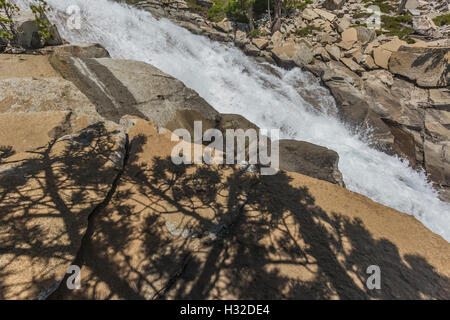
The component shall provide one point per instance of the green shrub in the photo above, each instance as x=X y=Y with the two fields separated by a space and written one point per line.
x=398 y=26
x=384 y=5
x=235 y=10
x=303 y=32
x=197 y=8
x=254 y=34
x=443 y=20
x=8 y=31
x=296 y=4
x=218 y=11
x=39 y=9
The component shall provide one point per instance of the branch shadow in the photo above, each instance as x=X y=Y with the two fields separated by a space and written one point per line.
x=219 y=232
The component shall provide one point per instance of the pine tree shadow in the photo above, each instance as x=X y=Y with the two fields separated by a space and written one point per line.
x=217 y=232
x=45 y=197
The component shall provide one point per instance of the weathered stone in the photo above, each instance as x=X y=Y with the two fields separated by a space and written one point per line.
x=309 y=14
x=350 y=35
x=339 y=72
x=90 y=50
x=325 y=14
x=343 y=24
x=437 y=161
x=334 y=4
x=437 y=124
x=368 y=62
x=440 y=98
x=225 y=26
x=277 y=38
x=293 y=55
x=352 y=65
x=365 y=35
x=383 y=53
x=260 y=43
x=355 y=110
x=346 y=45
x=311 y=160
x=320 y=51
x=334 y=51
x=28 y=36
x=423 y=25
x=241 y=38
x=408 y=4
x=120 y=87
x=429 y=67
x=251 y=50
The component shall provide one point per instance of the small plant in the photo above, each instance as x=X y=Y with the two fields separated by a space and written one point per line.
x=233 y=9
x=296 y=4
x=303 y=32
x=197 y=7
x=39 y=9
x=384 y=5
x=443 y=20
x=8 y=31
x=254 y=34
x=398 y=26
x=217 y=11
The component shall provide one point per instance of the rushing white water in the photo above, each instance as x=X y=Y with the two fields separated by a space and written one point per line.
x=233 y=83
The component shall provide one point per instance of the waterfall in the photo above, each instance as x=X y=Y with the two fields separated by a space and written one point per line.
x=292 y=101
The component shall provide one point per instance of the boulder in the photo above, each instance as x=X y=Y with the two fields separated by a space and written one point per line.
x=354 y=109
x=260 y=43
x=309 y=14
x=334 y=51
x=439 y=98
x=428 y=67
x=292 y=55
x=334 y=4
x=350 y=35
x=325 y=14
x=437 y=161
x=27 y=28
x=311 y=160
x=383 y=53
x=225 y=26
x=365 y=35
x=361 y=34
x=343 y=24
x=424 y=25
x=352 y=65
x=89 y=50
x=408 y=4
x=251 y=50
x=337 y=71
x=120 y=87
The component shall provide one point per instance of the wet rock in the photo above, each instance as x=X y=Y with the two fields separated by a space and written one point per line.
x=311 y=160
x=293 y=55
x=27 y=28
x=120 y=87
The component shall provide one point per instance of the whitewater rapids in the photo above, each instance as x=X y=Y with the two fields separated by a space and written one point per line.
x=234 y=83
